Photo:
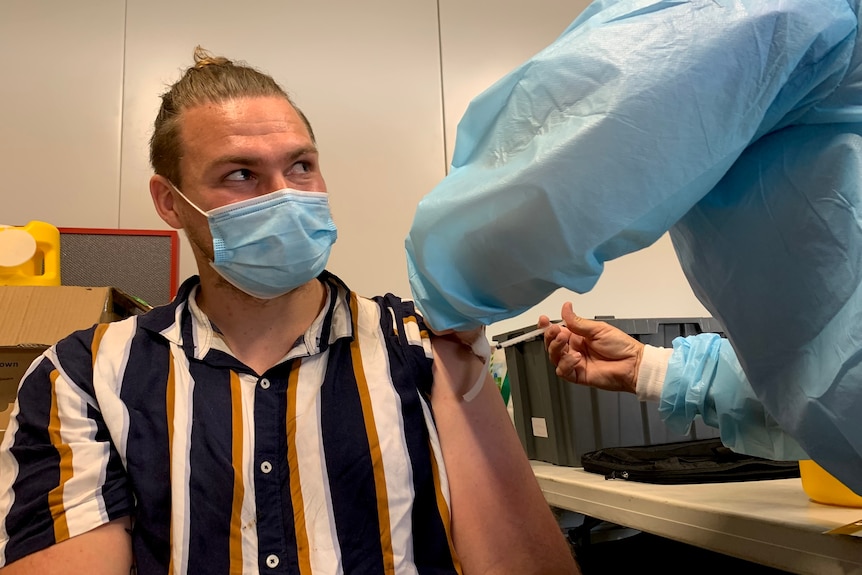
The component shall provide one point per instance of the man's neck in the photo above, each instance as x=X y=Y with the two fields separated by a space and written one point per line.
x=260 y=332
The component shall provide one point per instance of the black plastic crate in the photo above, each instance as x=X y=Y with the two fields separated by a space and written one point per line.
x=558 y=421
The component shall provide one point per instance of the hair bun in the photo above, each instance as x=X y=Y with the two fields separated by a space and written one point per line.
x=205 y=58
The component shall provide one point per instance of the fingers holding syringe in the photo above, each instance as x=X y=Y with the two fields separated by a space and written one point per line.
x=552 y=330
x=556 y=338
x=562 y=350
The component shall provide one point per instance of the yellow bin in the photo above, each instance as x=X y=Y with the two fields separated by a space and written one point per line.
x=30 y=255
x=822 y=487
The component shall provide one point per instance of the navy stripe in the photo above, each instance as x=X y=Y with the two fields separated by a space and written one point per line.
x=117 y=490
x=276 y=531
x=212 y=474
x=75 y=354
x=144 y=391
x=334 y=284
x=349 y=465
x=411 y=371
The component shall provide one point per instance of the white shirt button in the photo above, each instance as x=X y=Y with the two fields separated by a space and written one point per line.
x=266 y=467
x=272 y=561
x=264 y=383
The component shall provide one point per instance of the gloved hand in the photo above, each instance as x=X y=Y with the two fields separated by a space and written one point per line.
x=592 y=353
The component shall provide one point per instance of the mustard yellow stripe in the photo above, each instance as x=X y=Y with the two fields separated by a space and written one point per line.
x=303 y=549
x=55 y=496
x=407 y=319
x=170 y=410
x=412 y=319
x=443 y=509
x=238 y=486
x=97 y=339
x=373 y=443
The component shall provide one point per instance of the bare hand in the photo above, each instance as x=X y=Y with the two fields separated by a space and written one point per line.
x=592 y=353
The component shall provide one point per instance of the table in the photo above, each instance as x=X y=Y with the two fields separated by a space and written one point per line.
x=769 y=522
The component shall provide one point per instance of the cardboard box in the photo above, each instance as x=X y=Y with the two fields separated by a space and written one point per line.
x=32 y=318
x=558 y=421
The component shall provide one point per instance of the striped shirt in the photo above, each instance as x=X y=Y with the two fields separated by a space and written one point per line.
x=327 y=463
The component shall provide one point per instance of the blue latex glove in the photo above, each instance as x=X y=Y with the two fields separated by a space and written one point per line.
x=704 y=378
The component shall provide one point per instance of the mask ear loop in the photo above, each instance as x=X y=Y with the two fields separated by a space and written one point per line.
x=204 y=214
x=482 y=349
x=188 y=201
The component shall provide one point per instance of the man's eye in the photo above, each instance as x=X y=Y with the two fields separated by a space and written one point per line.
x=300 y=168
x=239 y=175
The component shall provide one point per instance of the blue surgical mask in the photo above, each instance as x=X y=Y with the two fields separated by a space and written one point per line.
x=269 y=245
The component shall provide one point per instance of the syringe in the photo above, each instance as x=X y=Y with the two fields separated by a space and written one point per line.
x=525 y=336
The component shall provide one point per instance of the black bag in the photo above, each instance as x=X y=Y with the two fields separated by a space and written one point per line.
x=697 y=461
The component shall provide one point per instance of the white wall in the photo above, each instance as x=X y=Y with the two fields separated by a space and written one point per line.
x=60 y=108
x=383 y=82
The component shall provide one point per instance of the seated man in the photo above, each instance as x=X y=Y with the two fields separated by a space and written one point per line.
x=269 y=419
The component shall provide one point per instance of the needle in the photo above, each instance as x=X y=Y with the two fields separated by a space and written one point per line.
x=525 y=336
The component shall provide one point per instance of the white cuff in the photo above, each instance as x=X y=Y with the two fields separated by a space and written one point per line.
x=652 y=371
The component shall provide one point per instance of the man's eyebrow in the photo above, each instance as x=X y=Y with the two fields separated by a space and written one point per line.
x=244 y=160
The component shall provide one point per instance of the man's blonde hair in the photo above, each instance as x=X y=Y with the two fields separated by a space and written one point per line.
x=212 y=80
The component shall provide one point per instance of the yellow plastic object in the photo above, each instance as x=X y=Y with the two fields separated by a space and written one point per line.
x=822 y=487
x=30 y=255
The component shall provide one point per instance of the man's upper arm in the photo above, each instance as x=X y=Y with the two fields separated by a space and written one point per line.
x=490 y=479
x=106 y=550
x=60 y=474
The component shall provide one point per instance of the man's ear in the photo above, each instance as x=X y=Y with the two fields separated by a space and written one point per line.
x=163 y=200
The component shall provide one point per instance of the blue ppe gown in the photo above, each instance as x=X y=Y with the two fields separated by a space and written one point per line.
x=736 y=126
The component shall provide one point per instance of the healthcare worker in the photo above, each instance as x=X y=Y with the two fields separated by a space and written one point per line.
x=736 y=126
